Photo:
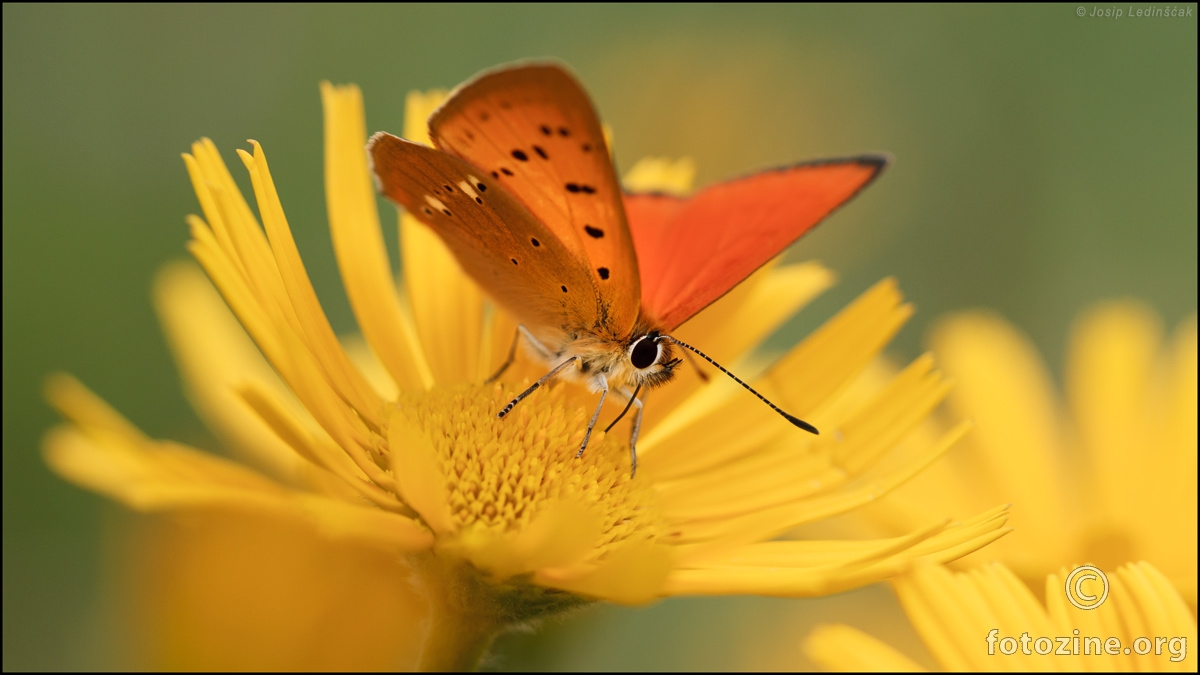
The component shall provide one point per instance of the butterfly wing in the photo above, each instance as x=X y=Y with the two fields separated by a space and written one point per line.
x=693 y=250
x=532 y=129
x=499 y=243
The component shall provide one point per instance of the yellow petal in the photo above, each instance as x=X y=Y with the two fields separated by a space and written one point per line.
x=773 y=521
x=560 y=535
x=227 y=590
x=739 y=321
x=1002 y=385
x=358 y=241
x=661 y=174
x=858 y=570
x=318 y=448
x=418 y=106
x=632 y=574
x=149 y=476
x=367 y=362
x=315 y=326
x=446 y=305
x=418 y=478
x=215 y=355
x=825 y=360
x=725 y=421
x=873 y=430
x=1111 y=363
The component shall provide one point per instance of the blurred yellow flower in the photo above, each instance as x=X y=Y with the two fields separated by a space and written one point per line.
x=1111 y=478
x=393 y=445
x=988 y=620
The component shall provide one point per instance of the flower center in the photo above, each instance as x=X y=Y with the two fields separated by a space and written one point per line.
x=500 y=472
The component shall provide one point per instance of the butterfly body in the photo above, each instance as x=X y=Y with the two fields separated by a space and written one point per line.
x=521 y=188
x=610 y=362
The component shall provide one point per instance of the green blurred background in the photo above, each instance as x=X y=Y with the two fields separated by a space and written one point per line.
x=1043 y=161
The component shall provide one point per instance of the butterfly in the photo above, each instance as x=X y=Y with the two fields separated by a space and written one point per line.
x=521 y=188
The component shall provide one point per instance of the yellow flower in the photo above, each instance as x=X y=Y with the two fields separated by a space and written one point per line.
x=1109 y=479
x=988 y=620
x=394 y=445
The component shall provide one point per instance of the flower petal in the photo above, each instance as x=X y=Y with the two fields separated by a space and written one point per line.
x=1111 y=364
x=822 y=580
x=214 y=356
x=770 y=522
x=1001 y=383
x=318 y=334
x=226 y=590
x=562 y=534
x=447 y=306
x=632 y=574
x=358 y=241
x=737 y=323
x=107 y=455
x=661 y=174
x=418 y=478
x=787 y=475
x=720 y=421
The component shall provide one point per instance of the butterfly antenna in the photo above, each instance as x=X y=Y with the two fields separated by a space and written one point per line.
x=512 y=355
x=627 y=406
x=533 y=387
x=791 y=418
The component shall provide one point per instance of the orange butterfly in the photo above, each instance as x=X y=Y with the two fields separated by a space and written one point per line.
x=521 y=188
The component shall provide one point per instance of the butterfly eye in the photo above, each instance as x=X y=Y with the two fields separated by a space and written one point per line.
x=645 y=353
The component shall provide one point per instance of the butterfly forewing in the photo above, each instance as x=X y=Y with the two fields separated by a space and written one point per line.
x=533 y=130
x=504 y=248
x=694 y=250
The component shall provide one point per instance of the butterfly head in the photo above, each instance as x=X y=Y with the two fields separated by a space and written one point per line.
x=652 y=360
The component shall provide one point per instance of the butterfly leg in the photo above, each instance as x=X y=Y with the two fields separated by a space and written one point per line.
x=633 y=400
x=542 y=350
x=633 y=435
x=595 y=416
x=532 y=388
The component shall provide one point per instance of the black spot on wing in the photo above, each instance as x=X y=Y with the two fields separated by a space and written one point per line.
x=541 y=153
x=481 y=186
x=534 y=241
x=572 y=187
x=546 y=131
x=603 y=272
x=593 y=232
x=564 y=289
x=564 y=132
x=587 y=147
x=505 y=171
x=520 y=155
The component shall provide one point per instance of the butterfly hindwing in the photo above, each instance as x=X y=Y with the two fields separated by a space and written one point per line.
x=695 y=249
x=533 y=130
x=498 y=242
